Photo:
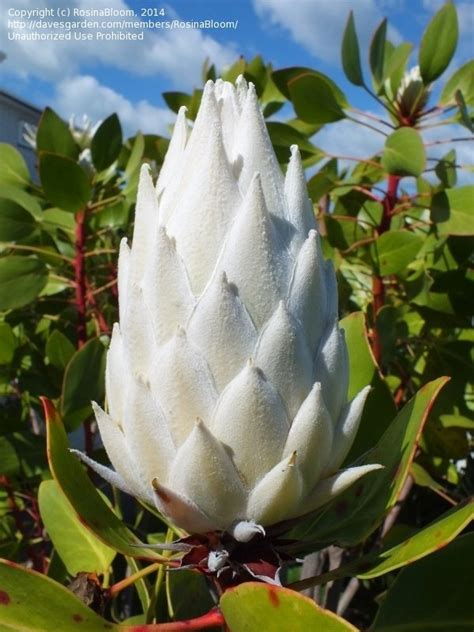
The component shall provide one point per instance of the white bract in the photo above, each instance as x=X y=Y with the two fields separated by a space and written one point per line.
x=227 y=377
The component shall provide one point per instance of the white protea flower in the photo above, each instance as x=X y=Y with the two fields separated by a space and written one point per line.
x=227 y=377
x=412 y=94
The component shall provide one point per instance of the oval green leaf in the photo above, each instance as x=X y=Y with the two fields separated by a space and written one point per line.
x=54 y=136
x=404 y=153
x=78 y=548
x=314 y=99
x=433 y=594
x=463 y=80
x=21 y=197
x=395 y=249
x=35 y=603
x=65 y=183
x=76 y=485
x=15 y=222
x=59 y=349
x=351 y=54
x=452 y=210
x=21 y=280
x=438 y=43
x=377 y=52
x=13 y=168
x=83 y=382
x=253 y=606
x=106 y=143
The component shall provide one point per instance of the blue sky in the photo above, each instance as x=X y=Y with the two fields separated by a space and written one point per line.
x=97 y=77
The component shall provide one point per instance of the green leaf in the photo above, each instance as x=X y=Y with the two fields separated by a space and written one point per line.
x=78 y=548
x=15 y=222
x=351 y=54
x=357 y=512
x=7 y=343
x=452 y=211
x=9 y=460
x=21 y=280
x=76 y=485
x=433 y=594
x=65 y=183
x=446 y=169
x=377 y=52
x=25 y=200
x=395 y=249
x=54 y=136
x=106 y=143
x=464 y=116
x=175 y=100
x=13 y=168
x=379 y=408
x=463 y=80
x=404 y=153
x=283 y=136
x=252 y=606
x=136 y=155
x=83 y=382
x=438 y=43
x=59 y=349
x=32 y=602
x=395 y=65
x=433 y=537
x=314 y=99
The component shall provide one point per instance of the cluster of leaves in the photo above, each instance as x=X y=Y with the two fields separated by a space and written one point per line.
x=399 y=230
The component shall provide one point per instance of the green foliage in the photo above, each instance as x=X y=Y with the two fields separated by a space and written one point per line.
x=256 y=606
x=398 y=227
x=438 y=43
x=404 y=153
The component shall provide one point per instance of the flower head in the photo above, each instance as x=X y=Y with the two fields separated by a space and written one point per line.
x=227 y=377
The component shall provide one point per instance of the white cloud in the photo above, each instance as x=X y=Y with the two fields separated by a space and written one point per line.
x=177 y=54
x=318 y=25
x=83 y=94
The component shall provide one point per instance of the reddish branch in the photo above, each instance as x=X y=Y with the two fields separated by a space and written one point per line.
x=378 y=290
x=213 y=619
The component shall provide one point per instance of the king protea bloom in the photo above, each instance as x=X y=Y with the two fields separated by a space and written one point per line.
x=227 y=376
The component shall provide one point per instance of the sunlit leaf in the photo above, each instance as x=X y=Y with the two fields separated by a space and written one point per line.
x=438 y=43
x=404 y=153
x=54 y=136
x=32 y=602
x=78 y=547
x=253 y=606
x=351 y=54
x=395 y=249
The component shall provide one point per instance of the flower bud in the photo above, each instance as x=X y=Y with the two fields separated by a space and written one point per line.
x=227 y=377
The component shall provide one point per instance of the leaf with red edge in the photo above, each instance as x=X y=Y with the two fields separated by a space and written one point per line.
x=31 y=601
x=93 y=512
x=255 y=606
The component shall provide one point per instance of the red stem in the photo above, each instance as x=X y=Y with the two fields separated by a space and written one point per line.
x=213 y=619
x=378 y=289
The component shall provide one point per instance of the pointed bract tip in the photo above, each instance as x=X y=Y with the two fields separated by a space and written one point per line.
x=245 y=530
x=50 y=412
